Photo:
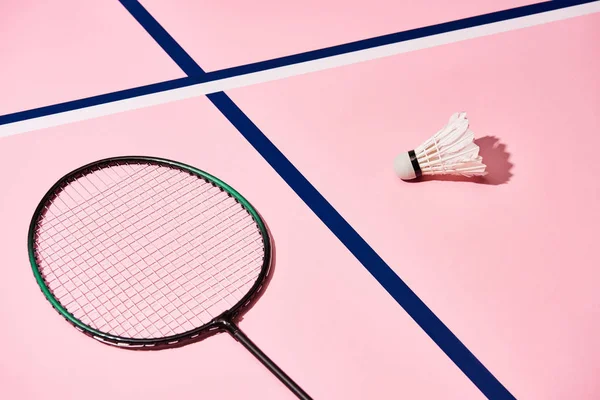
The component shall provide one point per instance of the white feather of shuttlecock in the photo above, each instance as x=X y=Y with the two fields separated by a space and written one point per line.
x=451 y=151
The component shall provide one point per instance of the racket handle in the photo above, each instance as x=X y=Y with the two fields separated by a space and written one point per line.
x=267 y=362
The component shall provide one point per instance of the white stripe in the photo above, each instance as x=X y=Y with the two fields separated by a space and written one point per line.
x=295 y=69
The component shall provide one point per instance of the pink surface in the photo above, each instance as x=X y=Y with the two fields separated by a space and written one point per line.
x=220 y=35
x=65 y=50
x=323 y=318
x=511 y=266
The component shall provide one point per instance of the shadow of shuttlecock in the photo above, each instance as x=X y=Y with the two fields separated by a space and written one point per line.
x=496 y=159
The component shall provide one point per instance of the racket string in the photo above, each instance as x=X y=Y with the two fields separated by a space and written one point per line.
x=205 y=211
x=149 y=276
x=235 y=243
x=98 y=227
x=90 y=279
x=168 y=244
x=235 y=266
x=233 y=205
x=96 y=200
x=82 y=294
x=141 y=304
x=138 y=282
x=238 y=211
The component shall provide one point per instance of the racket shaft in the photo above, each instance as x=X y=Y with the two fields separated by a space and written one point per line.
x=267 y=362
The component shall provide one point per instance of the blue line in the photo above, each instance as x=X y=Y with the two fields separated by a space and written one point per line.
x=424 y=317
x=92 y=101
x=162 y=38
x=197 y=78
x=399 y=37
x=387 y=278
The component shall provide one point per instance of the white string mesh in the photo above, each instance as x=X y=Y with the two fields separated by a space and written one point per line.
x=146 y=250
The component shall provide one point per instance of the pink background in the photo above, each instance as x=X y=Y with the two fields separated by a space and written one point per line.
x=64 y=50
x=508 y=267
x=323 y=318
x=511 y=268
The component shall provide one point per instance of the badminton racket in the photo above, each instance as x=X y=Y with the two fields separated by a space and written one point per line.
x=148 y=253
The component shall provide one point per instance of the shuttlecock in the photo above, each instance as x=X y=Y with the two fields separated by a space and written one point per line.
x=451 y=151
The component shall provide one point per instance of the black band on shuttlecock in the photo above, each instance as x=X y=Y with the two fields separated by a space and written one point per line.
x=415 y=163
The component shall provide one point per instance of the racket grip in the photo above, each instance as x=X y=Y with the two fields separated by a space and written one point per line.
x=266 y=361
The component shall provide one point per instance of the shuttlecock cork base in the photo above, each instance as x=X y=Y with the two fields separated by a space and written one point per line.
x=451 y=151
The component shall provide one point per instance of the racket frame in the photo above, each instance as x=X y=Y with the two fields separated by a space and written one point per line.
x=221 y=323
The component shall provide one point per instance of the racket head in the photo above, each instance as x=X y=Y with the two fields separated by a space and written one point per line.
x=219 y=322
